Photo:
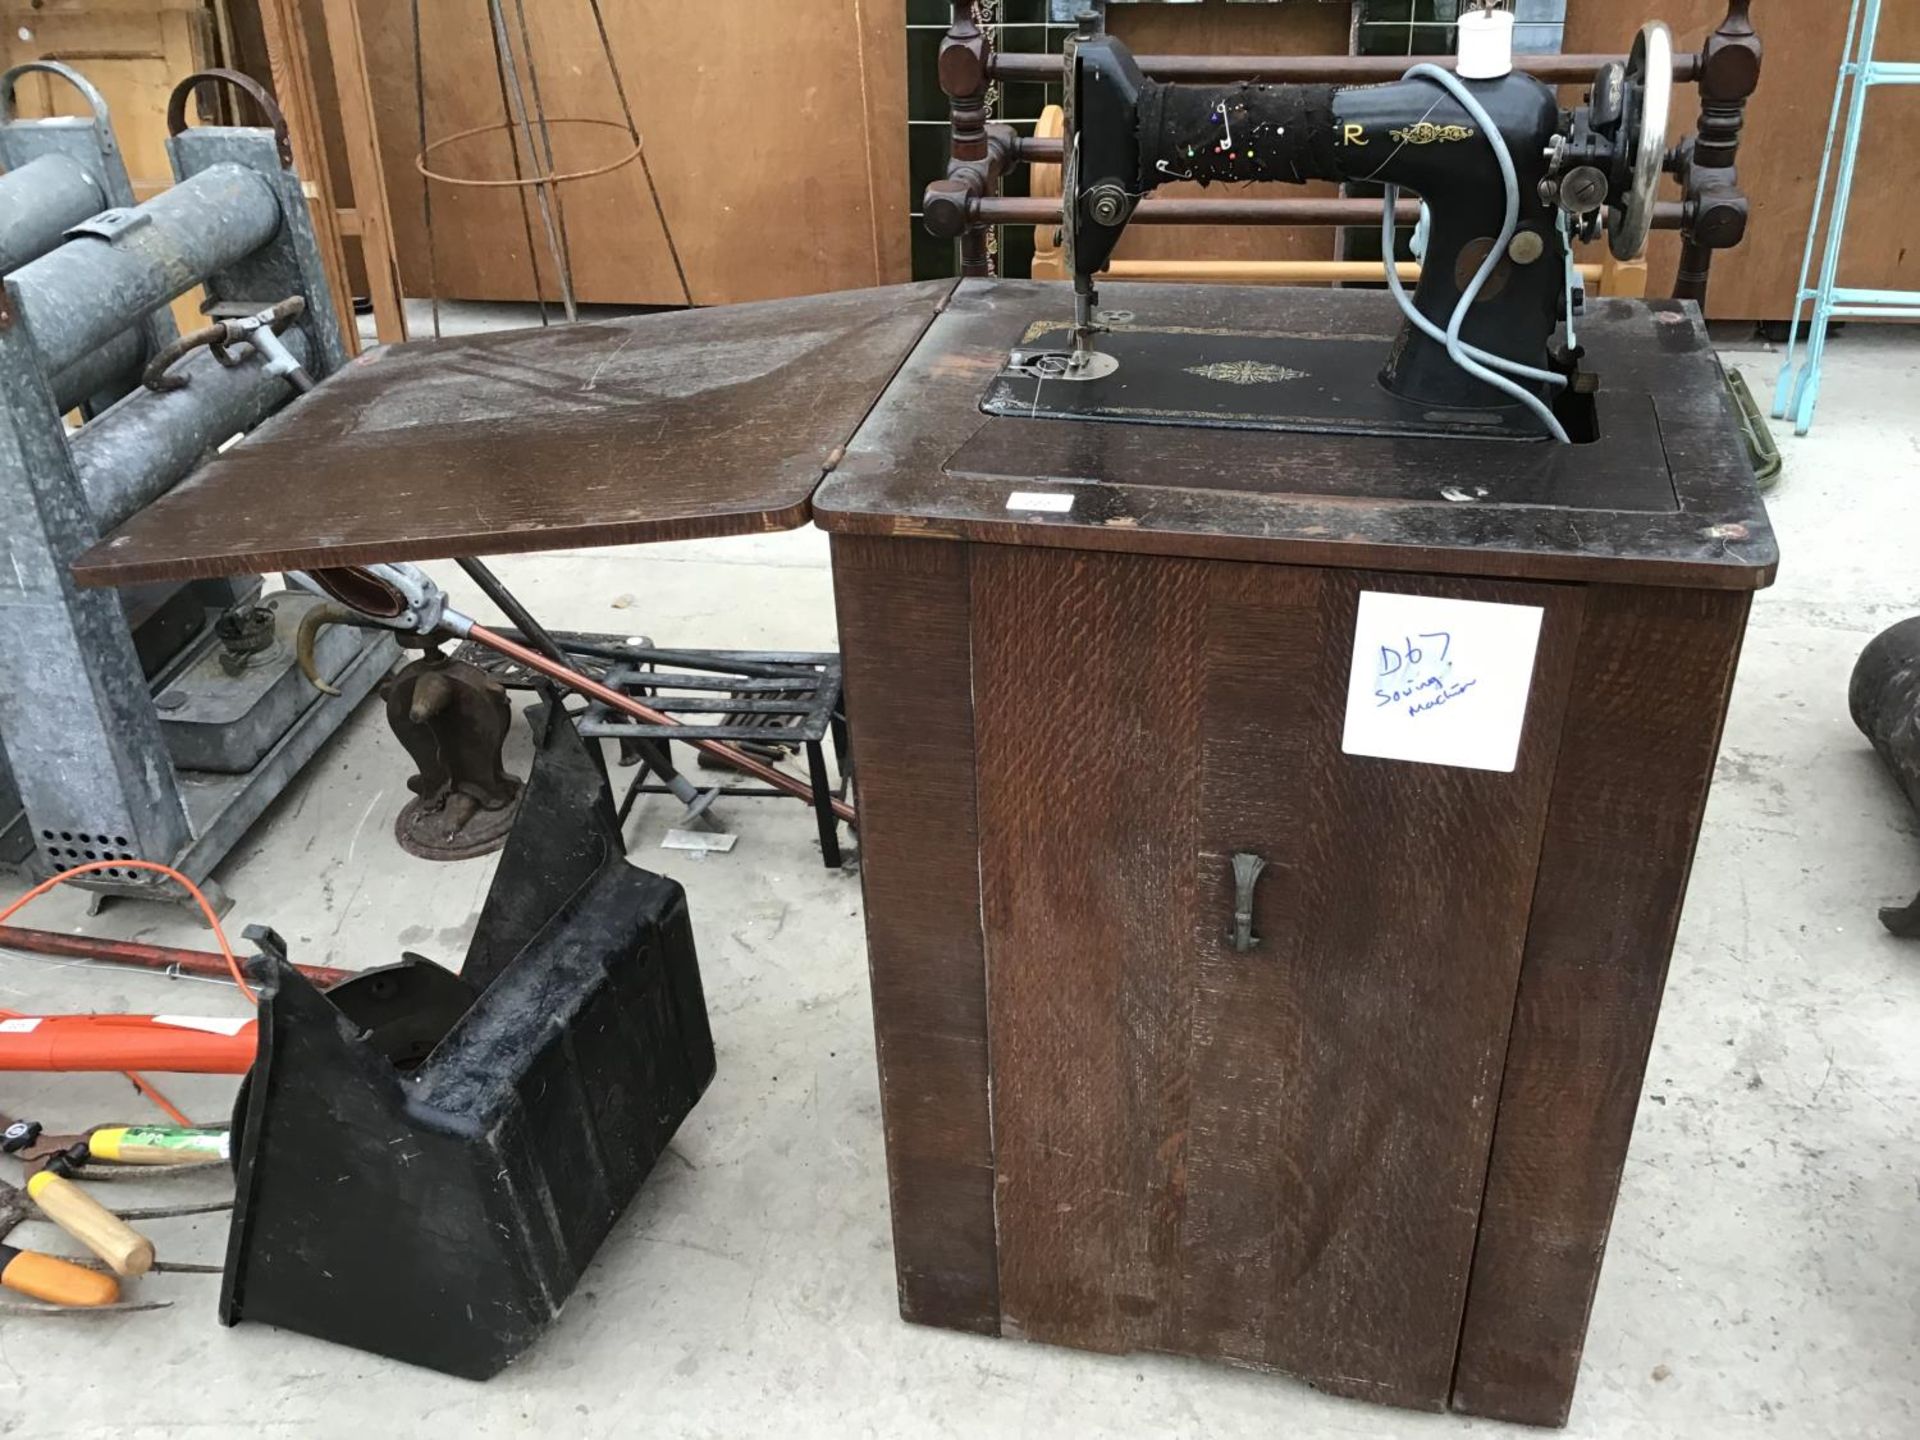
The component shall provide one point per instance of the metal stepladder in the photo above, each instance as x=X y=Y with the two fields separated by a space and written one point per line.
x=1860 y=73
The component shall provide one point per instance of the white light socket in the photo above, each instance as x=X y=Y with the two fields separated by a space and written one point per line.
x=1486 y=44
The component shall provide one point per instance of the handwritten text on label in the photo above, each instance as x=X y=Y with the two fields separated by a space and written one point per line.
x=1439 y=681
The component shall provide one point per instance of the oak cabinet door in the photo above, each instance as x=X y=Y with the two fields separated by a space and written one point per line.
x=1273 y=1156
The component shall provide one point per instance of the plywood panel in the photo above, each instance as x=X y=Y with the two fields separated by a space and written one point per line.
x=132 y=50
x=301 y=101
x=1780 y=154
x=776 y=132
x=1219 y=28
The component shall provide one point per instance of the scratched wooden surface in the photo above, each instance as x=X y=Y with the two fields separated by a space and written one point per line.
x=1555 y=512
x=1649 y=695
x=1273 y=1157
x=661 y=427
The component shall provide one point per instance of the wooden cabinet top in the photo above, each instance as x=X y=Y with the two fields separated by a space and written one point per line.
x=717 y=422
x=1665 y=495
x=676 y=426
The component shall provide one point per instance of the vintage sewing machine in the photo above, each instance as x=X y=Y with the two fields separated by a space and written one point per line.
x=1509 y=180
x=1279 y=766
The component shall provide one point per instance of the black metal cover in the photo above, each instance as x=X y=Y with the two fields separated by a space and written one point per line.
x=442 y=1216
x=1239 y=377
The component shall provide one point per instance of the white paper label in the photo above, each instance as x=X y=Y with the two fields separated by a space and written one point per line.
x=207 y=1023
x=1440 y=682
x=1039 y=500
x=24 y=1025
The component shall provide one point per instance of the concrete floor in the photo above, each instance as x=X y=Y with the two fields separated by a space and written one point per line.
x=1765 y=1256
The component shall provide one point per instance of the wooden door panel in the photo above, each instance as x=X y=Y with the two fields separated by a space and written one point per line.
x=1273 y=1157
x=1396 y=911
x=133 y=52
x=1263 y=622
x=1085 y=894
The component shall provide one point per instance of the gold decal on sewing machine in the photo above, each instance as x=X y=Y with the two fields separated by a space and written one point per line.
x=1354 y=135
x=1245 y=372
x=1428 y=133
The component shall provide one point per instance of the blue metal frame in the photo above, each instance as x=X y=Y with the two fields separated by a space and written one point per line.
x=1799 y=389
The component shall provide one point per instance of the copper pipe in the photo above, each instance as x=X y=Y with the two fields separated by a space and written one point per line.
x=201 y=963
x=1002 y=210
x=626 y=704
x=1323 y=69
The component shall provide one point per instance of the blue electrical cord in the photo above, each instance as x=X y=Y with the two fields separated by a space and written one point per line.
x=1418 y=245
x=1490 y=369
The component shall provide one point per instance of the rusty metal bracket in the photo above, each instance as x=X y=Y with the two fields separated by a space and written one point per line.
x=246 y=85
x=261 y=331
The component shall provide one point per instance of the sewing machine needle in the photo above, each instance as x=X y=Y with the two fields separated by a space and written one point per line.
x=1084 y=300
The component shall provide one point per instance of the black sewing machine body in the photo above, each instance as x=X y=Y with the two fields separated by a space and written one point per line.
x=1135 y=134
x=1127 y=135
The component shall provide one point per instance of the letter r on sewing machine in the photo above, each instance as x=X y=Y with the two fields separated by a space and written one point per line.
x=1440 y=682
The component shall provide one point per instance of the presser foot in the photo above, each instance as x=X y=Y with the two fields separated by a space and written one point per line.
x=1061 y=364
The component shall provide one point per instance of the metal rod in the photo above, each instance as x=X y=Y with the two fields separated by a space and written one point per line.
x=546 y=144
x=140 y=448
x=633 y=129
x=606 y=695
x=1038 y=150
x=503 y=48
x=1278 y=272
x=39 y=201
x=519 y=173
x=171 y=1212
x=1003 y=210
x=494 y=589
x=426 y=185
x=724 y=669
x=201 y=963
x=1323 y=69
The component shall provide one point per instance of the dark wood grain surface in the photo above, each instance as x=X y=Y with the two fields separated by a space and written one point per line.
x=904 y=627
x=1562 y=513
x=659 y=427
x=1649 y=694
x=1273 y=1157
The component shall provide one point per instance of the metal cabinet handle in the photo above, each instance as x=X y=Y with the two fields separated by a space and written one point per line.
x=1246 y=874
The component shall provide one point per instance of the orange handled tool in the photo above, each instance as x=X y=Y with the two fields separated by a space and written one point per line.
x=44 y=1277
x=55 y=1281
x=180 y=1043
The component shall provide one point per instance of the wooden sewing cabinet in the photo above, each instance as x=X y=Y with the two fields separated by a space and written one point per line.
x=1380 y=1150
